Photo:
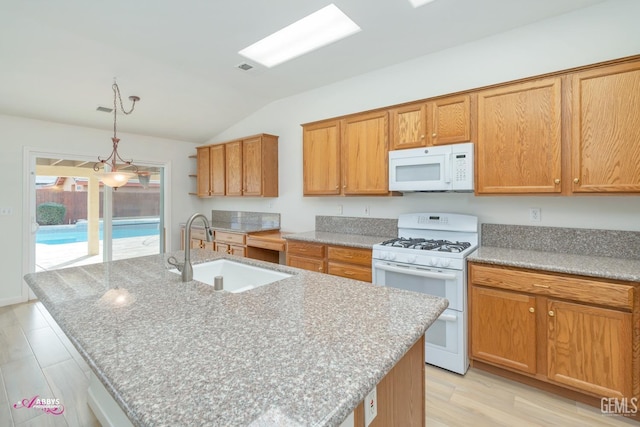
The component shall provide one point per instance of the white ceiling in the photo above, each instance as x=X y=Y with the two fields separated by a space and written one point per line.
x=58 y=58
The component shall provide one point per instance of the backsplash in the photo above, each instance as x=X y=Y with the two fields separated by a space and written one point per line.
x=580 y=241
x=385 y=227
x=264 y=219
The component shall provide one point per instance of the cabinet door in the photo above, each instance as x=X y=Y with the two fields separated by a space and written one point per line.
x=233 y=171
x=203 y=172
x=503 y=328
x=252 y=167
x=221 y=247
x=408 y=126
x=321 y=159
x=217 y=170
x=605 y=138
x=237 y=250
x=589 y=348
x=519 y=138
x=450 y=120
x=311 y=264
x=365 y=154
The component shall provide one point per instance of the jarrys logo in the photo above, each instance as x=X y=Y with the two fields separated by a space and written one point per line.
x=50 y=406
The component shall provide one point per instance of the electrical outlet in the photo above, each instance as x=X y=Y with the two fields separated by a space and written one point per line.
x=370 y=407
x=534 y=214
x=339 y=210
x=6 y=211
x=367 y=210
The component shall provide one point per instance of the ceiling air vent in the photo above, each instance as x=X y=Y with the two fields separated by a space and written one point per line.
x=104 y=109
x=245 y=67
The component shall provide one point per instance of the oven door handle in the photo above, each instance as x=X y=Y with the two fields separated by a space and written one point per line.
x=414 y=272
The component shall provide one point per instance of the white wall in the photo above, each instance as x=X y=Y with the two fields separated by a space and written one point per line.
x=606 y=31
x=17 y=133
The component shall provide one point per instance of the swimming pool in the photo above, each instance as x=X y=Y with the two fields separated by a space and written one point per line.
x=73 y=233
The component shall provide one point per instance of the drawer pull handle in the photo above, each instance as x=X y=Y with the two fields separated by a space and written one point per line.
x=319 y=268
x=532 y=310
x=541 y=286
x=551 y=313
x=557 y=181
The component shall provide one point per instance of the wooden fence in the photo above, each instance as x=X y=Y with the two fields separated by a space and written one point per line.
x=125 y=204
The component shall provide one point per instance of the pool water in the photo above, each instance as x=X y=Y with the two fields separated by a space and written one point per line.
x=61 y=234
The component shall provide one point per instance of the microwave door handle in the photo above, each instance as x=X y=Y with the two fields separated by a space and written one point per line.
x=414 y=272
x=447 y=168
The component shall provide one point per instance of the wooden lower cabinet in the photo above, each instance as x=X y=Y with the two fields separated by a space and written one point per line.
x=306 y=255
x=537 y=325
x=344 y=261
x=400 y=394
x=230 y=243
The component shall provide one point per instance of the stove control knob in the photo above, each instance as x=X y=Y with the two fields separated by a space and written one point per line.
x=383 y=255
x=433 y=261
x=392 y=256
x=445 y=262
x=411 y=259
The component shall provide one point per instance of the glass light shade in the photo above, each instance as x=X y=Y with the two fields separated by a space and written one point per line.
x=115 y=179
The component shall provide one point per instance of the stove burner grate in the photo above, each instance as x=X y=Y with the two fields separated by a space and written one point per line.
x=427 y=244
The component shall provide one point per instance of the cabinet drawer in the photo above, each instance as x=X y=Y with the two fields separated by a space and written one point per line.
x=264 y=243
x=198 y=234
x=350 y=255
x=350 y=271
x=224 y=236
x=586 y=290
x=305 y=248
x=310 y=264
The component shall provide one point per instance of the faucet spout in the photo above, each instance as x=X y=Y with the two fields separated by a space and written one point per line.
x=187 y=269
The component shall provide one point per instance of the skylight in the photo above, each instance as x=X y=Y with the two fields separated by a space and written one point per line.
x=418 y=3
x=314 y=31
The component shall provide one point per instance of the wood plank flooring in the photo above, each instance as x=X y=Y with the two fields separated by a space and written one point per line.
x=36 y=358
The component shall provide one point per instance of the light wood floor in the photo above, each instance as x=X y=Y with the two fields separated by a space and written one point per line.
x=37 y=359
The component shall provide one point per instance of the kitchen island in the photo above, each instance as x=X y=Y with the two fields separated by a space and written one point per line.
x=305 y=350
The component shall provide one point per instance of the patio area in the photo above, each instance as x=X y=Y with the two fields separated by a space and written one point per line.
x=52 y=257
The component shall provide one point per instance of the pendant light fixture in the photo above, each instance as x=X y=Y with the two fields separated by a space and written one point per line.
x=114 y=176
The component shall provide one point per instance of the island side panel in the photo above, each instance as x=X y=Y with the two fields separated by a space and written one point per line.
x=401 y=393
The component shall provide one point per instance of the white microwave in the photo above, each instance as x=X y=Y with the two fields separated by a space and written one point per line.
x=438 y=168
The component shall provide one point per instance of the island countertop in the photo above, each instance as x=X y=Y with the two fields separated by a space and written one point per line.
x=301 y=351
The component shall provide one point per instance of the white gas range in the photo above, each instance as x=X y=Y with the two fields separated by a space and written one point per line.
x=429 y=257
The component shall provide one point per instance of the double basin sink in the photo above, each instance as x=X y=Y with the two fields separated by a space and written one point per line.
x=237 y=277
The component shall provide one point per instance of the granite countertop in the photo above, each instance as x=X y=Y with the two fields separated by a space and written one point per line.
x=341 y=239
x=584 y=265
x=303 y=351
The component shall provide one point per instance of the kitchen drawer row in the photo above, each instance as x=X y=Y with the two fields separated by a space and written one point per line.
x=265 y=246
x=573 y=131
x=344 y=261
x=574 y=335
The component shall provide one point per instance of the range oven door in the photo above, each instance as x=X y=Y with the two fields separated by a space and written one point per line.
x=443 y=283
x=446 y=338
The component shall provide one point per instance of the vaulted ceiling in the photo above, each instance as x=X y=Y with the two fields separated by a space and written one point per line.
x=58 y=58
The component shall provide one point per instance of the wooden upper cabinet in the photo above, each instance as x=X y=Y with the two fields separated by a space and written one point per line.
x=408 y=126
x=321 y=158
x=233 y=170
x=442 y=121
x=364 y=154
x=203 y=172
x=450 y=120
x=252 y=166
x=217 y=170
x=519 y=138
x=605 y=131
x=260 y=166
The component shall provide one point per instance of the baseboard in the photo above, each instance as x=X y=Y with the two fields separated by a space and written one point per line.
x=11 y=301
